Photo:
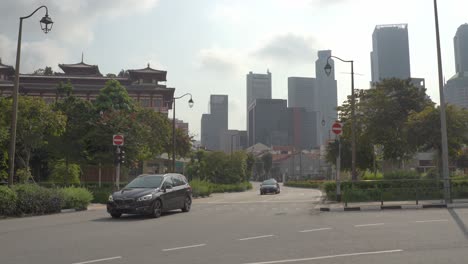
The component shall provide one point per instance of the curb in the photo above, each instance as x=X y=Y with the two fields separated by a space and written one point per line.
x=392 y=207
x=64 y=211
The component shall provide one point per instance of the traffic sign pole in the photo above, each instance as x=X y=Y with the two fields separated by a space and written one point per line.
x=117 y=171
x=338 y=169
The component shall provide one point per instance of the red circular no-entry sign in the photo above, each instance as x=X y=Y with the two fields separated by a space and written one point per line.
x=118 y=140
x=337 y=128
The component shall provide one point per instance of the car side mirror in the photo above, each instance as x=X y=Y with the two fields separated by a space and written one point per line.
x=167 y=187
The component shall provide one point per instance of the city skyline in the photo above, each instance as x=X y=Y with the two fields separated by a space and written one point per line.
x=218 y=56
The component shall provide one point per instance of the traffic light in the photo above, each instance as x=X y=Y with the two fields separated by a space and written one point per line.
x=120 y=156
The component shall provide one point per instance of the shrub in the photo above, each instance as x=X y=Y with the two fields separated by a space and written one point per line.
x=8 y=200
x=76 y=198
x=24 y=175
x=221 y=188
x=34 y=199
x=61 y=175
x=369 y=175
x=200 y=188
x=101 y=195
x=304 y=184
x=400 y=175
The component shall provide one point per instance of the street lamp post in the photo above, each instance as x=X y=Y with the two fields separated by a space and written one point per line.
x=190 y=102
x=46 y=25
x=443 y=119
x=328 y=69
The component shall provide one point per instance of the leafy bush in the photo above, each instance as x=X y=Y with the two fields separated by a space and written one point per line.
x=200 y=188
x=221 y=188
x=61 y=175
x=369 y=175
x=34 y=199
x=76 y=198
x=304 y=184
x=8 y=200
x=400 y=175
x=101 y=195
x=24 y=175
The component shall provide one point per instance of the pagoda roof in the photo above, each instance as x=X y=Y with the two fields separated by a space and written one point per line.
x=6 y=68
x=147 y=72
x=80 y=68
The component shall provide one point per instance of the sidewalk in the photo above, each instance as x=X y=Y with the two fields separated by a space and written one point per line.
x=332 y=206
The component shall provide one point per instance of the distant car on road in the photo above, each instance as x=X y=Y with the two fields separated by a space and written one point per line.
x=151 y=194
x=269 y=186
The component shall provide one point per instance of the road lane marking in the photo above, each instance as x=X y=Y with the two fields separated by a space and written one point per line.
x=257 y=237
x=377 y=224
x=314 y=230
x=431 y=221
x=98 y=260
x=328 y=257
x=177 y=248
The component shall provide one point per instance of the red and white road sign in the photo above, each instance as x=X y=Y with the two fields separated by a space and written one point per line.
x=118 y=140
x=337 y=128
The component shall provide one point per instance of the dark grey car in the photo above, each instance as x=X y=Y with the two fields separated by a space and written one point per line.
x=269 y=186
x=151 y=195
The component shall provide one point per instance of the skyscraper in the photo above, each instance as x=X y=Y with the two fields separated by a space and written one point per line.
x=214 y=124
x=268 y=122
x=258 y=87
x=461 y=49
x=456 y=89
x=327 y=96
x=303 y=112
x=302 y=92
x=390 y=57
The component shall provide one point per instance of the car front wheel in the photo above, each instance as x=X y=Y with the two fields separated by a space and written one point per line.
x=116 y=215
x=187 y=204
x=157 y=209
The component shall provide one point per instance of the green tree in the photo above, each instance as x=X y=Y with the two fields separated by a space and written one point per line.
x=71 y=146
x=114 y=97
x=64 y=89
x=424 y=129
x=36 y=123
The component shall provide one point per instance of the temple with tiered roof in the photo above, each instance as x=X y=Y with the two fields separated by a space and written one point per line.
x=146 y=86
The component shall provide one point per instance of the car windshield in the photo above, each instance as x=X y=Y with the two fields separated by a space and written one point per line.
x=145 y=182
x=269 y=182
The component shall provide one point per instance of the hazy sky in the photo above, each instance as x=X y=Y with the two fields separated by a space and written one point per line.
x=208 y=46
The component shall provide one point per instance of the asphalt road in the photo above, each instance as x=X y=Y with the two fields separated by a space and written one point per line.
x=241 y=228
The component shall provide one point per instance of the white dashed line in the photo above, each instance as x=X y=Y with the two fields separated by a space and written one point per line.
x=328 y=257
x=431 y=221
x=315 y=230
x=98 y=260
x=177 y=248
x=257 y=237
x=377 y=224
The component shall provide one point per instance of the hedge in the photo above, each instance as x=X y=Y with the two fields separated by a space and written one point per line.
x=304 y=184
x=222 y=188
x=200 y=188
x=395 y=190
x=37 y=200
x=76 y=198
x=8 y=200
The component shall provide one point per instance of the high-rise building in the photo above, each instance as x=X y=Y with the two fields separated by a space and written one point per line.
x=456 y=89
x=268 y=122
x=184 y=126
x=390 y=57
x=214 y=124
x=327 y=96
x=234 y=140
x=461 y=49
x=304 y=111
x=258 y=87
x=302 y=92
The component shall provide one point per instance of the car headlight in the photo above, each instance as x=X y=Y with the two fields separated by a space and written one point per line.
x=111 y=199
x=145 y=198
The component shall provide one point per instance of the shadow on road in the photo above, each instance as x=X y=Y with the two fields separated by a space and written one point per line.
x=131 y=218
x=459 y=222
